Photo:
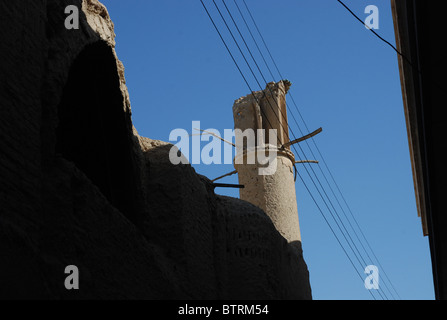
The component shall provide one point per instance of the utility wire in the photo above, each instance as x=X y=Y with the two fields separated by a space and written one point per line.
x=260 y=34
x=330 y=202
x=245 y=59
x=234 y=60
x=376 y=34
x=280 y=122
x=309 y=146
x=254 y=39
x=404 y=57
x=290 y=110
x=327 y=168
x=295 y=149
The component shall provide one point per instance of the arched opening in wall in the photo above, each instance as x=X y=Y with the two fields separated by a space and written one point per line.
x=94 y=131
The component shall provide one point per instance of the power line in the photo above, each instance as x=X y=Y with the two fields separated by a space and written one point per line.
x=260 y=34
x=254 y=40
x=243 y=56
x=308 y=145
x=298 y=155
x=327 y=168
x=410 y=63
x=295 y=149
x=376 y=34
x=251 y=70
x=232 y=57
x=343 y=225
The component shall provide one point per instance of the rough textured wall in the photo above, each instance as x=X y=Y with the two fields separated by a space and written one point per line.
x=135 y=225
x=223 y=246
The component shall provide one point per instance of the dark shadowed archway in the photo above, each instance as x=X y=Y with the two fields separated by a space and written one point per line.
x=95 y=132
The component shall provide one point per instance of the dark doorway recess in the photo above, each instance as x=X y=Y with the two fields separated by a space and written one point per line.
x=94 y=130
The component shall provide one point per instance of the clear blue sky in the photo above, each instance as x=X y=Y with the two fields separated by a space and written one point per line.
x=344 y=79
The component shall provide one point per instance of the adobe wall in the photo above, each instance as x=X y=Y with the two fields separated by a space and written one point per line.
x=169 y=237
